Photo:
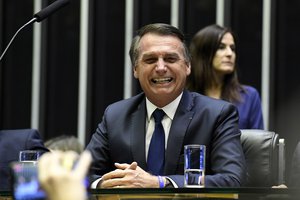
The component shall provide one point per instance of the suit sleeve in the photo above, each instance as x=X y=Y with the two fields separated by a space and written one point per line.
x=99 y=148
x=228 y=165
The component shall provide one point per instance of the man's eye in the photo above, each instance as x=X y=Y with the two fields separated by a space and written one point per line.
x=150 y=60
x=171 y=59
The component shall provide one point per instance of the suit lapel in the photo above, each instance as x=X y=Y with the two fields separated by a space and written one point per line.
x=137 y=139
x=181 y=121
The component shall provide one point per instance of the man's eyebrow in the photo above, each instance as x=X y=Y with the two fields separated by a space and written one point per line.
x=150 y=54
x=147 y=54
x=172 y=54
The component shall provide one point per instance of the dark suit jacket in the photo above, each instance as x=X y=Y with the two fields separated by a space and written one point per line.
x=120 y=137
x=11 y=143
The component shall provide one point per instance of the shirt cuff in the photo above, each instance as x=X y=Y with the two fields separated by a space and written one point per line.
x=95 y=183
x=172 y=182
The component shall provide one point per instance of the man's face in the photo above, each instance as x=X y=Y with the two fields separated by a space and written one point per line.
x=161 y=68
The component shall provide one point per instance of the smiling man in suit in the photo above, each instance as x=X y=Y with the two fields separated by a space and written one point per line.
x=122 y=143
x=11 y=143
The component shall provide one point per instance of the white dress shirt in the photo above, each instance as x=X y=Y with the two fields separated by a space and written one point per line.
x=170 y=110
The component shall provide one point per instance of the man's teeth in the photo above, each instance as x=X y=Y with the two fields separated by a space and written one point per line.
x=161 y=80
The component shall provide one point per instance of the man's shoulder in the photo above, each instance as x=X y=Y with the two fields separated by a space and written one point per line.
x=203 y=104
x=19 y=133
x=129 y=101
x=202 y=100
x=126 y=106
x=21 y=139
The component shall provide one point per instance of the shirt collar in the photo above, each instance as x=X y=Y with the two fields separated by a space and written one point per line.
x=169 y=109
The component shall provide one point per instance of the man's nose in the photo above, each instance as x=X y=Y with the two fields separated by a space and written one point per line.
x=161 y=65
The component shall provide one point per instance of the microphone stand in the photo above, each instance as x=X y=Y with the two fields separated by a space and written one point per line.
x=39 y=17
x=12 y=39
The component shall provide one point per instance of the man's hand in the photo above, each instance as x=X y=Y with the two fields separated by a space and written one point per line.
x=129 y=176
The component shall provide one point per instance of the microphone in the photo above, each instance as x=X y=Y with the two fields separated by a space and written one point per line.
x=38 y=17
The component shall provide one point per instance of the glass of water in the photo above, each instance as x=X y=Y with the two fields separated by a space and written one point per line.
x=194 y=165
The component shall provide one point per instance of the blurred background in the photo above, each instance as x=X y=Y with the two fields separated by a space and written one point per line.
x=59 y=75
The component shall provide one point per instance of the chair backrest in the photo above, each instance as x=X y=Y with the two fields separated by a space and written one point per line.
x=265 y=157
x=295 y=168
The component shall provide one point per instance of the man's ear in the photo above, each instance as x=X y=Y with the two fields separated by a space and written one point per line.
x=135 y=73
x=188 y=69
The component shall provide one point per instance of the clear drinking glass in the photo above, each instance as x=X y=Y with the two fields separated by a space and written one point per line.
x=194 y=165
x=30 y=156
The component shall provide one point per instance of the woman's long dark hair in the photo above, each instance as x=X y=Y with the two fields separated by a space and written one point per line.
x=203 y=48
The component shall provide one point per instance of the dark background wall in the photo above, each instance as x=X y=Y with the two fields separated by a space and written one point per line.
x=60 y=59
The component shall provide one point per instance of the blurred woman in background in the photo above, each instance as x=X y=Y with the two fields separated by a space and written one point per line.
x=214 y=74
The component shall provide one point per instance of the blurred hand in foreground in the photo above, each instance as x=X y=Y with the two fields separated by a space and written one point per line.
x=62 y=174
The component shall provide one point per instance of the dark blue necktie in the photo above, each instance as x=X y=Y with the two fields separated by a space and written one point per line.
x=156 y=153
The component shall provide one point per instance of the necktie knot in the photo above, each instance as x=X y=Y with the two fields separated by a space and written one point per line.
x=158 y=115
